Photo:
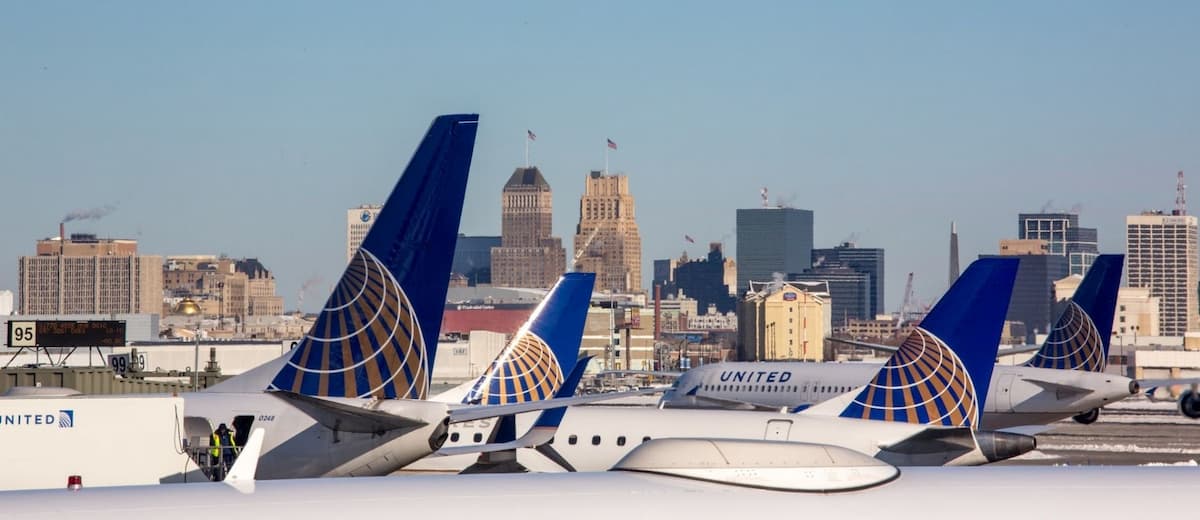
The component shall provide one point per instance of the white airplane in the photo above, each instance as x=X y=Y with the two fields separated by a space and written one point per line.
x=920 y=408
x=1065 y=378
x=697 y=478
x=350 y=399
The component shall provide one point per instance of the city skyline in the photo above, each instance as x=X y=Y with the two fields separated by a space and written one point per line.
x=250 y=135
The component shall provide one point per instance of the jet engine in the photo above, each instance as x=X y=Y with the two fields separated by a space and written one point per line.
x=1189 y=404
x=1088 y=417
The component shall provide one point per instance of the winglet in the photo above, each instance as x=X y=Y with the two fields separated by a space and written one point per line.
x=532 y=366
x=246 y=465
x=941 y=374
x=1080 y=338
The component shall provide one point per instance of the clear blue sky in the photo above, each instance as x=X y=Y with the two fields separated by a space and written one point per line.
x=248 y=128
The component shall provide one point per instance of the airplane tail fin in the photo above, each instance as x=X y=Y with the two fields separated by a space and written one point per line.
x=377 y=334
x=1080 y=338
x=941 y=374
x=532 y=366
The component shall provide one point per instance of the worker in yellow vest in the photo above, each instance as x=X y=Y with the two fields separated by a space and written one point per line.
x=223 y=450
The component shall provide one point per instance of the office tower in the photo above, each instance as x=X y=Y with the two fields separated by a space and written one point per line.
x=528 y=255
x=473 y=258
x=261 y=299
x=606 y=240
x=358 y=222
x=664 y=275
x=862 y=259
x=704 y=281
x=89 y=275
x=772 y=240
x=1161 y=255
x=1032 y=300
x=849 y=290
x=1063 y=237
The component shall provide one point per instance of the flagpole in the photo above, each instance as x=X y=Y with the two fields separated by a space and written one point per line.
x=606 y=156
x=527 y=150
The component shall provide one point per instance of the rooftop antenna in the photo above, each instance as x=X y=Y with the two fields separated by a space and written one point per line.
x=1180 y=195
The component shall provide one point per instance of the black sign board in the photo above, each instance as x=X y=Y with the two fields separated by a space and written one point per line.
x=51 y=333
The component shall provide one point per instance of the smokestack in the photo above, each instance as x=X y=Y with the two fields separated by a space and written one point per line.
x=62 y=237
x=953 y=252
x=657 y=312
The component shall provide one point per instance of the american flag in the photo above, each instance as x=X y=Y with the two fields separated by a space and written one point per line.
x=689 y=239
x=532 y=136
x=611 y=144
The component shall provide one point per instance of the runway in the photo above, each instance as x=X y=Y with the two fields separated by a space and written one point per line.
x=1134 y=432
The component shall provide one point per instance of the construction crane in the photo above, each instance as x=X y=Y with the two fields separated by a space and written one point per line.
x=904 y=305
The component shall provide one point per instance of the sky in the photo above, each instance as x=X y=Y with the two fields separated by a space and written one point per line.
x=248 y=128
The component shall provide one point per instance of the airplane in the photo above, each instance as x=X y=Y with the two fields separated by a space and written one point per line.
x=948 y=361
x=700 y=478
x=350 y=399
x=1064 y=378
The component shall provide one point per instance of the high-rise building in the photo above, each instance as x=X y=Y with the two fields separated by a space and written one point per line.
x=358 y=222
x=261 y=299
x=664 y=274
x=1161 y=255
x=607 y=241
x=772 y=240
x=849 y=290
x=862 y=259
x=89 y=275
x=1063 y=237
x=473 y=259
x=528 y=255
x=1032 y=300
x=704 y=280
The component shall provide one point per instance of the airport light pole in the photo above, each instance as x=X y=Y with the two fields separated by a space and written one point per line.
x=189 y=307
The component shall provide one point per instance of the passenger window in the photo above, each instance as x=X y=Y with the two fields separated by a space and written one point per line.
x=646 y=438
x=595 y=440
x=621 y=440
x=572 y=440
x=454 y=437
x=478 y=437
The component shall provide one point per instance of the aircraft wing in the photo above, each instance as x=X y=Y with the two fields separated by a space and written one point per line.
x=735 y=404
x=1060 y=390
x=873 y=346
x=656 y=373
x=341 y=417
x=1011 y=351
x=1151 y=383
x=473 y=413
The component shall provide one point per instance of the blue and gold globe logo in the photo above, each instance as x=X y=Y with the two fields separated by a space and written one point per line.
x=526 y=371
x=1073 y=344
x=366 y=342
x=924 y=382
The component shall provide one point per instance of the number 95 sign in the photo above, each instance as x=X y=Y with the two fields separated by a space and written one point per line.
x=22 y=334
